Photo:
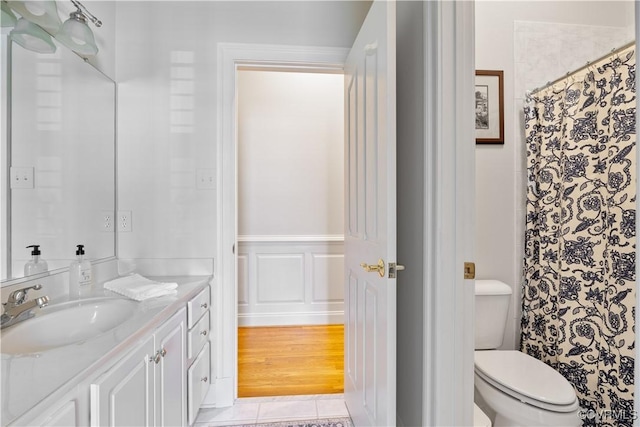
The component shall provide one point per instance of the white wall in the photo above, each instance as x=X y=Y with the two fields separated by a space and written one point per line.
x=290 y=198
x=499 y=169
x=166 y=69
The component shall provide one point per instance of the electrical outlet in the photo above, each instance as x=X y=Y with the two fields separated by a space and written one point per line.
x=205 y=179
x=21 y=178
x=124 y=221
x=106 y=221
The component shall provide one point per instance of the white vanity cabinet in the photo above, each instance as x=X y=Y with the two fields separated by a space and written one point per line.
x=153 y=370
x=147 y=387
x=71 y=411
x=198 y=352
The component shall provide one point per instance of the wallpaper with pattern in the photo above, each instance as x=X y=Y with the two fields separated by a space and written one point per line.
x=579 y=268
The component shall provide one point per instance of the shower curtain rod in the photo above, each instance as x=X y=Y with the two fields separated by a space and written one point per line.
x=587 y=65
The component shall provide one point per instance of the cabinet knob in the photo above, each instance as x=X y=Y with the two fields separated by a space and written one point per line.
x=204 y=379
x=204 y=333
x=204 y=305
x=163 y=352
x=156 y=358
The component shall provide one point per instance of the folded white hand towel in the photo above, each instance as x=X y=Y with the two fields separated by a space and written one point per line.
x=140 y=288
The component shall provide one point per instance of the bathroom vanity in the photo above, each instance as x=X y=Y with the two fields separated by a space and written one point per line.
x=152 y=369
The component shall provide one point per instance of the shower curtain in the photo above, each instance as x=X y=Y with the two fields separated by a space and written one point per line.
x=578 y=294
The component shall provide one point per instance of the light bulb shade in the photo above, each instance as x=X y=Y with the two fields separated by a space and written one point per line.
x=42 y=13
x=31 y=37
x=77 y=36
x=7 y=18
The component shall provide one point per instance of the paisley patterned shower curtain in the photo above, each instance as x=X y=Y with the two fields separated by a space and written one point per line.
x=579 y=267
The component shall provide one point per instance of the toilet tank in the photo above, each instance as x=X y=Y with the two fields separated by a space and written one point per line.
x=492 y=307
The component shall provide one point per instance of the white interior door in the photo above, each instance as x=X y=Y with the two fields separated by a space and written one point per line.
x=370 y=220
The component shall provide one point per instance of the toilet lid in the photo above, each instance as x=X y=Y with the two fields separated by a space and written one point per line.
x=525 y=375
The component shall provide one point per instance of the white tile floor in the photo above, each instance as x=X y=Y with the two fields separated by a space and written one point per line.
x=274 y=409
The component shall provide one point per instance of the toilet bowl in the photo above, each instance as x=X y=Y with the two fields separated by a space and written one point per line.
x=515 y=389
x=511 y=387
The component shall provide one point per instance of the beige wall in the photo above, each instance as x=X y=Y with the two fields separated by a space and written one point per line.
x=290 y=153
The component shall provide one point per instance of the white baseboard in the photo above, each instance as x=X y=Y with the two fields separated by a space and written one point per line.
x=290 y=319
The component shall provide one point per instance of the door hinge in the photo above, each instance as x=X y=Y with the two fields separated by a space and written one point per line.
x=469 y=270
x=394 y=268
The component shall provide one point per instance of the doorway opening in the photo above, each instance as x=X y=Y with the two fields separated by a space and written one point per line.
x=290 y=225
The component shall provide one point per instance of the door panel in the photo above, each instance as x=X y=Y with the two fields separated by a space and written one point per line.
x=169 y=372
x=371 y=144
x=124 y=395
x=351 y=157
x=370 y=206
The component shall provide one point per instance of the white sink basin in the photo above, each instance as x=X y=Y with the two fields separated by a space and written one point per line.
x=67 y=323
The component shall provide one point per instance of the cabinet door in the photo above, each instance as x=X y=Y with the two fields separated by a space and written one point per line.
x=124 y=395
x=170 y=341
x=198 y=379
x=64 y=416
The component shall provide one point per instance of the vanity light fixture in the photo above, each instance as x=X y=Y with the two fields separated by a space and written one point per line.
x=7 y=18
x=32 y=37
x=76 y=34
x=42 y=13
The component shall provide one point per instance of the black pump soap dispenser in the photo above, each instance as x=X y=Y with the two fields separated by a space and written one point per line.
x=36 y=265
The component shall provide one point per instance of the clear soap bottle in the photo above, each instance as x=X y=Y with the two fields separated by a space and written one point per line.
x=36 y=264
x=80 y=273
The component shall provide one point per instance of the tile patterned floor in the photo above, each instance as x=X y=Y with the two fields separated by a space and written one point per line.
x=251 y=411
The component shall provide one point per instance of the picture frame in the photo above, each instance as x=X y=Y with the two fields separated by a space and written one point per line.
x=489 y=96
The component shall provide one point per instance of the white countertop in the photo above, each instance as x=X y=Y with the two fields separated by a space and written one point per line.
x=39 y=379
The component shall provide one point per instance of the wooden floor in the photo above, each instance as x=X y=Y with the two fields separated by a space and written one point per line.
x=290 y=360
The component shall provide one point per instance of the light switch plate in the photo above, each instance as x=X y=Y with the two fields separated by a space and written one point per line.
x=21 y=178
x=205 y=179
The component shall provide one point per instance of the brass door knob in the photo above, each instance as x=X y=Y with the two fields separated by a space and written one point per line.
x=370 y=268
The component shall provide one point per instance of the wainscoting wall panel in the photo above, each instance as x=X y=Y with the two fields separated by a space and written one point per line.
x=279 y=278
x=243 y=282
x=290 y=280
x=327 y=269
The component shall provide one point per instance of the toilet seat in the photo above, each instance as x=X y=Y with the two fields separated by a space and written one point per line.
x=527 y=379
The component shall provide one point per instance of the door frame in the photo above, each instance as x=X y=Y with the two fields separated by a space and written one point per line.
x=449 y=223
x=225 y=322
x=449 y=198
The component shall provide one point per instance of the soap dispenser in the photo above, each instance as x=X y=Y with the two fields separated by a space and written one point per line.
x=80 y=273
x=37 y=264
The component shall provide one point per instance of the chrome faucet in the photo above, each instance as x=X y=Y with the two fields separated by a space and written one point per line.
x=17 y=308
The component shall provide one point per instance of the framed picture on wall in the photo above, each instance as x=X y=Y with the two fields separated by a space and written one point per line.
x=489 y=107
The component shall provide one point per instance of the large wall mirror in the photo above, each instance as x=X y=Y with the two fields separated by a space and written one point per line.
x=58 y=130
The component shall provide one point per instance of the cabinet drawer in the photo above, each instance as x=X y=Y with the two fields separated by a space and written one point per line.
x=197 y=307
x=198 y=336
x=198 y=380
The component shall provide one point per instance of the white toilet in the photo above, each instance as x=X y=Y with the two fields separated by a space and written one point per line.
x=511 y=387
